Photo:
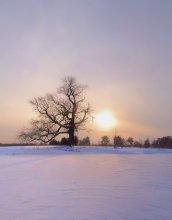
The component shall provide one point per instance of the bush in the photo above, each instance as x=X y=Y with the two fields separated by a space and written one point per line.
x=53 y=142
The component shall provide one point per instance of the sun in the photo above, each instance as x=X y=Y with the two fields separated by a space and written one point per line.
x=105 y=120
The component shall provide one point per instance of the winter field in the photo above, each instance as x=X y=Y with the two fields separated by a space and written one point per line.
x=56 y=183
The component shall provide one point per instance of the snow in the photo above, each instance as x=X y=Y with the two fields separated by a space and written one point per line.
x=58 y=150
x=99 y=183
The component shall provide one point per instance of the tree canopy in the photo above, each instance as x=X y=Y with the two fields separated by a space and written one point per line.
x=61 y=113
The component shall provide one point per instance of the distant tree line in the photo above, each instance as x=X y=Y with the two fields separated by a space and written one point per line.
x=118 y=141
x=15 y=144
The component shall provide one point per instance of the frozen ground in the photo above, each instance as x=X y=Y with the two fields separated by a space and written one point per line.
x=40 y=183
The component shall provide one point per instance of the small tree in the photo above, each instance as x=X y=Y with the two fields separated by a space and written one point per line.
x=146 y=143
x=61 y=113
x=118 y=141
x=105 y=141
x=85 y=141
x=130 y=140
x=137 y=144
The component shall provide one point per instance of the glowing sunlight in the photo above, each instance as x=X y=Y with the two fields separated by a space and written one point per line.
x=105 y=120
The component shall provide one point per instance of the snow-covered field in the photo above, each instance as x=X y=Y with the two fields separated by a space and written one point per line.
x=50 y=183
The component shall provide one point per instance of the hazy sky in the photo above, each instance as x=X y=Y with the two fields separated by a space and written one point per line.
x=122 y=49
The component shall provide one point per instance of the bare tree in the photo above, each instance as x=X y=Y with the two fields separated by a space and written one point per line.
x=61 y=113
x=118 y=141
x=85 y=141
x=130 y=140
x=105 y=141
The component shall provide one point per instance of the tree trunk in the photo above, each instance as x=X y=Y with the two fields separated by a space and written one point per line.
x=71 y=135
x=72 y=131
x=72 y=127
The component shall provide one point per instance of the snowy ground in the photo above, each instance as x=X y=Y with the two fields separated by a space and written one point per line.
x=46 y=183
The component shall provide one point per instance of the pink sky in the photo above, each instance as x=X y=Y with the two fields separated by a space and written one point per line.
x=120 y=49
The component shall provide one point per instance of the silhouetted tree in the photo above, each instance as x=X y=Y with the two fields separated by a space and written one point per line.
x=61 y=113
x=130 y=140
x=146 y=143
x=164 y=142
x=105 y=141
x=118 y=141
x=137 y=144
x=85 y=141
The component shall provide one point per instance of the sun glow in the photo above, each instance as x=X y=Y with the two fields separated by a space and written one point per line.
x=105 y=120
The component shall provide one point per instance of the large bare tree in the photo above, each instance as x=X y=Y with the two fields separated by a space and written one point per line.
x=61 y=113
